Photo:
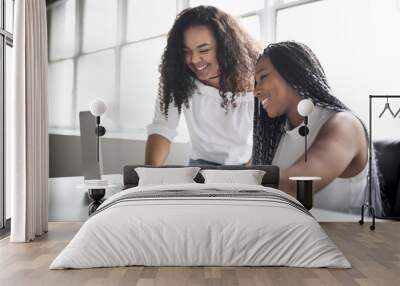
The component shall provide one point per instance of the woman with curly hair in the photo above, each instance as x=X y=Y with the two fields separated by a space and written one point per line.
x=207 y=73
x=286 y=73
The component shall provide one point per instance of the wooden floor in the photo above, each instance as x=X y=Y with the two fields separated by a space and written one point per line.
x=374 y=255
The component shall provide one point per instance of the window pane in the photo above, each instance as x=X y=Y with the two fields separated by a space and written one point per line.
x=99 y=24
x=139 y=85
x=9 y=15
x=8 y=82
x=149 y=18
x=234 y=7
x=61 y=94
x=357 y=43
x=139 y=82
x=62 y=30
x=96 y=79
x=252 y=25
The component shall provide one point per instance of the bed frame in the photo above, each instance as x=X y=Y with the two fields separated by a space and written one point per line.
x=270 y=179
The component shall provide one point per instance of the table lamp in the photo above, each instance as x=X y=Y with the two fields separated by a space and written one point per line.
x=98 y=108
x=305 y=107
x=304 y=192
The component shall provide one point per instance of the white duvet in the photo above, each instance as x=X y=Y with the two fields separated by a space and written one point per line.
x=200 y=231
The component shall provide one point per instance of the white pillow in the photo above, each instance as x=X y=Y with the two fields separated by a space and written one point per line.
x=248 y=177
x=163 y=176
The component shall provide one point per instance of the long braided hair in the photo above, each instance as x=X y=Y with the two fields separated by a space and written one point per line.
x=237 y=53
x=300 y=68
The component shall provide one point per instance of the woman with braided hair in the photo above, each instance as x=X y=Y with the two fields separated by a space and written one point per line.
x=286 y=73
x=207 y=73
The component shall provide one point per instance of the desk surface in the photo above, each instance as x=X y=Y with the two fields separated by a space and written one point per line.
x=304 y=178
x=69 y=202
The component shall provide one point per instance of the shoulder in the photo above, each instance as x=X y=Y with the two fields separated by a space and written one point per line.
x=344 y=127
x=202 y=88
x=344 y=121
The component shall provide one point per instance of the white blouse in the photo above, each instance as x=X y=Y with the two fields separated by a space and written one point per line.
x=215 y=135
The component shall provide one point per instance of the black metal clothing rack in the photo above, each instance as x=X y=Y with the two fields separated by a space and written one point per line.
x=368 y=204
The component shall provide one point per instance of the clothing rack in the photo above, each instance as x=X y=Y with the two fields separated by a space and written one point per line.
x=368 y=204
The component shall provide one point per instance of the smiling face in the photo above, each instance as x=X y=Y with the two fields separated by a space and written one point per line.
x=200 y=50
x=274 y=93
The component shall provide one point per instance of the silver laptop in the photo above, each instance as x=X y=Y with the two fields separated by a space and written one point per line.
x=90 y=166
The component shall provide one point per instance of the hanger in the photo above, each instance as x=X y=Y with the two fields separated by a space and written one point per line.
x=387 y=107
x=397 y=113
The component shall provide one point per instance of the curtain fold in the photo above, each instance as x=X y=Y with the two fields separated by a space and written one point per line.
x=26 y=123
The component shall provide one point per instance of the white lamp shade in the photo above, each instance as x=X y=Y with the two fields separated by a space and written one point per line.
x=98 y=107
x=305 y=107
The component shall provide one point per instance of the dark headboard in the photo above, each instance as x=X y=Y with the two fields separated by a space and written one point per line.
x=270 y=179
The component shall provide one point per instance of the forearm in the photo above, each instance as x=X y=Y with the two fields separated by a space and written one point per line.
x=287 y=185
x=157 y=150
x=313 y=168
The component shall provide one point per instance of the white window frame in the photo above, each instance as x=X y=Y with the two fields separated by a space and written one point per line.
x=6 y=40
x=272 y=7
x=120 y=43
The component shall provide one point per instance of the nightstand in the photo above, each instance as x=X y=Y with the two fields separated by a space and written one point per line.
x=304 y=193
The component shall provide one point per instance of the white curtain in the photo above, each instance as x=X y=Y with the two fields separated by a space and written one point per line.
x=26 y=123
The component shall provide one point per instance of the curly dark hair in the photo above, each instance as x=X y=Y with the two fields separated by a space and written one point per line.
x=300 y=68
x=237 y=54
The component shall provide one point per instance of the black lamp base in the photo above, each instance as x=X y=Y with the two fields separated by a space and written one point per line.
x=97 y=196
x=305 y=193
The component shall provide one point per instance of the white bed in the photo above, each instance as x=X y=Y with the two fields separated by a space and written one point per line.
x=185 y=230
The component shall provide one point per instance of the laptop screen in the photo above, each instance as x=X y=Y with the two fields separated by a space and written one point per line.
x=90 y=166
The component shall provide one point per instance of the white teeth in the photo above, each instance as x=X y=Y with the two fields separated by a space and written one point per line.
x=201 y=68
